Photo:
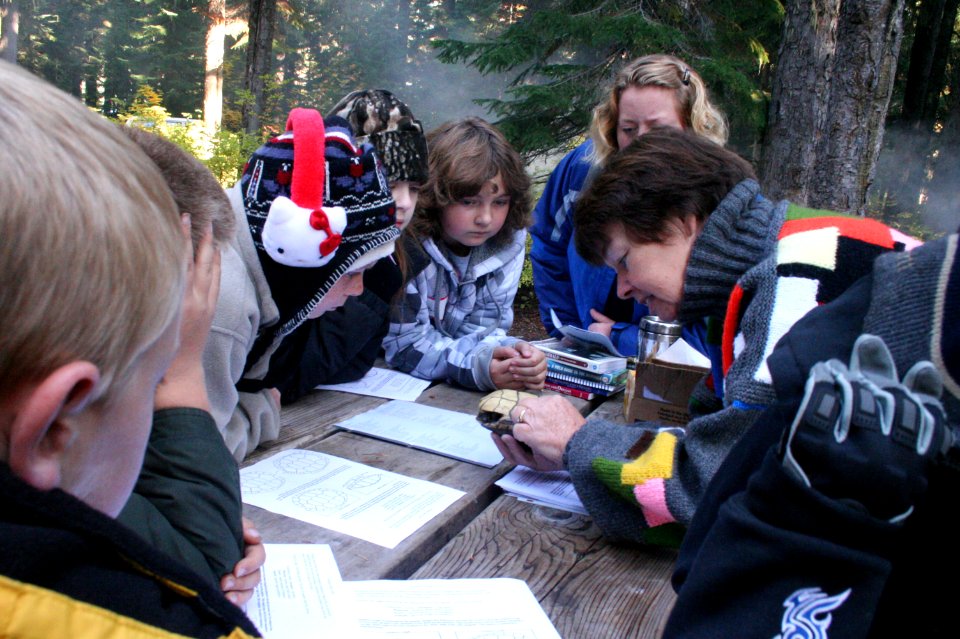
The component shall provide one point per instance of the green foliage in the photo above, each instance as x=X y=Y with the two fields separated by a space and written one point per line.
x=230 y=151
x=224 y=153
x=526 y=275
x=563 y=54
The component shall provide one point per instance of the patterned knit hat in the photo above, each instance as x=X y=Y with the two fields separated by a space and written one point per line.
x=317 y=206
x=378 y=117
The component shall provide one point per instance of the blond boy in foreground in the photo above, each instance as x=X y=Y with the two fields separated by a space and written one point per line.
x=93 y=269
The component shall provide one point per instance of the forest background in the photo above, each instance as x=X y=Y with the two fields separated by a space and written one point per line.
x=842 y=104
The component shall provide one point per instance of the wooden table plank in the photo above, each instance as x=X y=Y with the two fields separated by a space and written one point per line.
x=588 y=587
x=312 y=418
x=359 y=559
x=309 y=424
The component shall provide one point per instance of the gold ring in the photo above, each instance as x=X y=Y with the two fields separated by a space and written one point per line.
x=522 y=413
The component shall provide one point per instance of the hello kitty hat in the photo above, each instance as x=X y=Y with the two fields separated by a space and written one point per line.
x=317 y=206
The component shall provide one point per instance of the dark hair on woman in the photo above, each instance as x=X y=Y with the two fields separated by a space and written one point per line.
x=661 y=177
x=465 y=154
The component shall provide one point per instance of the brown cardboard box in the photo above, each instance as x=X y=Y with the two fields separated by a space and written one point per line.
x=674 y=383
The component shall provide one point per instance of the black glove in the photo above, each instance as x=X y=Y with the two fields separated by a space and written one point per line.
x=864 y=439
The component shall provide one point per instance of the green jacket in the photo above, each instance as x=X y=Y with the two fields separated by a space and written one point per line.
x=187 y=500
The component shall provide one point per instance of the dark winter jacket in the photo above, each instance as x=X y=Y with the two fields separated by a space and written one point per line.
x=763 y=550
x=67 y=570
x=341 y=345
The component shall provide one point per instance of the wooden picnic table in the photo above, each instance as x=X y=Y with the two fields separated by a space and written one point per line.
x=588 y=587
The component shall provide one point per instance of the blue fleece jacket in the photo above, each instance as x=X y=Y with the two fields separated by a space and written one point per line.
x=562 y=279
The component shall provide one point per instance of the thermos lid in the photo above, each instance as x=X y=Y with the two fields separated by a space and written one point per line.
x=653 y=324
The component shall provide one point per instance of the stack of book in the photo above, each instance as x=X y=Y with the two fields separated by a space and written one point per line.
x=582 y=370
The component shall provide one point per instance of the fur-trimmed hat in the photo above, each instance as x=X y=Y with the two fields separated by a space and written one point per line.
x=379 y=117
x=317 y=206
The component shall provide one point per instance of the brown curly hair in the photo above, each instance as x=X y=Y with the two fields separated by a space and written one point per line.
x=464 y=155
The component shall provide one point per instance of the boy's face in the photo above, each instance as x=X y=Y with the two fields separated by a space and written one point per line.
x=350 y=285
x=104 y=458
x=472 y=220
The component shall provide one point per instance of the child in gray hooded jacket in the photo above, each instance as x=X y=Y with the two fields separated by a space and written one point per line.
x=452 y=320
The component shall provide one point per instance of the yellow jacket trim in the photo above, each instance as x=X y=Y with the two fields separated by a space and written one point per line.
x=31 y=612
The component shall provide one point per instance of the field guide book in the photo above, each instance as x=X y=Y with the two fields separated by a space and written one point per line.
x=580 y=348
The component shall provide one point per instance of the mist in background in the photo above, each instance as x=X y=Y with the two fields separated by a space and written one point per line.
x=917 y=181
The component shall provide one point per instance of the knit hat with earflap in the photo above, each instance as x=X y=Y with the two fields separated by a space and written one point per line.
x=317 y=206
x=379 y=117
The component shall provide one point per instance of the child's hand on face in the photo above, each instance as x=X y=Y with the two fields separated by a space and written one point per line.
x=183 y=384
x=238 y=585
x=529 y=367
x=602 y=324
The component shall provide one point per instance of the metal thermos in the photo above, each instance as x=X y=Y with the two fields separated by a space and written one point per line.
x=656 y=335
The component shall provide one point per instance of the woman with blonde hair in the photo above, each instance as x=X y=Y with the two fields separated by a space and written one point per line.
x=654 y=90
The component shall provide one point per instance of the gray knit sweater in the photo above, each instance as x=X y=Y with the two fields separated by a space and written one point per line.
x=643 y=482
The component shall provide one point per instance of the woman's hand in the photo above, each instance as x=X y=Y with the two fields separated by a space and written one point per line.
x=545 y=425
x=602 y=324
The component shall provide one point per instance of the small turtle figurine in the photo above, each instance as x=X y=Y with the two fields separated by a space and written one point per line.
x=495 y=409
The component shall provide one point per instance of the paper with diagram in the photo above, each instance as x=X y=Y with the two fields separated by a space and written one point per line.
x=375 y=505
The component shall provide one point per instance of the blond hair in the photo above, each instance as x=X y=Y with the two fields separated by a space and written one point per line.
x=195 y=190
x=694 y=107
x=92 y=266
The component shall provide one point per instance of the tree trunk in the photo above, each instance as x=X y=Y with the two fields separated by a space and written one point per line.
x=213 y=65
x=800 y=93
x=868 y=43
x=938 y=70
x=939 y=211
x=9 y=30
x=922 y=56
x=259 y=52
x=830 y=97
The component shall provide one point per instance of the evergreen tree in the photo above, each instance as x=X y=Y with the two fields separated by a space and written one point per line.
x=563 y=54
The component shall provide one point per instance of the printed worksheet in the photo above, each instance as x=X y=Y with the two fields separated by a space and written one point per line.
x=383 y=382
x=436 y=430
x=375 y=505
x=554 y=489
x=301 y=595
x=449 y=609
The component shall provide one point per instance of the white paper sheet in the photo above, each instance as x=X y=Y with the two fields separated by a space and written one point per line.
x=376 y=505
x=450 y=609
x=554 y=489
x=682 y=353
x=301 y=595
x=440 y=431
x=383 y=382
